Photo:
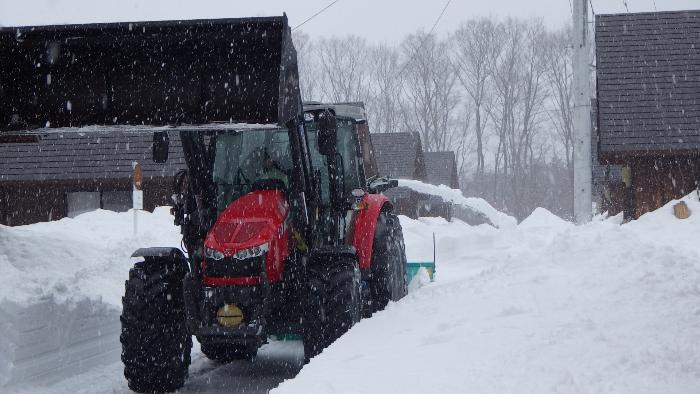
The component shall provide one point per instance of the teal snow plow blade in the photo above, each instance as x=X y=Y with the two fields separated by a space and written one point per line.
x=413 y=267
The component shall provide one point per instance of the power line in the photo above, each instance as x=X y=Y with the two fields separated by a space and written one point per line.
x=315 y=15
x=432 y=30
x=399 y=75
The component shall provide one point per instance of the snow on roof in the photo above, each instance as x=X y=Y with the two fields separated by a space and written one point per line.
x=499 y=219
x=151 y=129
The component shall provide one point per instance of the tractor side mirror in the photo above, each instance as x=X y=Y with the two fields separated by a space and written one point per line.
x=327 y=131
x=161 y=146
x=381 y=185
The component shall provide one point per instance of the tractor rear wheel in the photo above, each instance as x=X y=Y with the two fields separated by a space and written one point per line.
x=155 y=342
x=343 y=305
x=228 y=353
x=388 y=282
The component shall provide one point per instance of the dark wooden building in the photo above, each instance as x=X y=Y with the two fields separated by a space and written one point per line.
x=441 y=169
x=401 y=156
x=55 y=173
x=608 y=189
x=648 y=104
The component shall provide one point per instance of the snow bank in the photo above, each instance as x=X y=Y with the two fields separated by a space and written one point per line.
x=544 y=307
x=499 y=219
x=61 y=288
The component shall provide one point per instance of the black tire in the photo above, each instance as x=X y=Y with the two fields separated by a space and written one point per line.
x=314 y=317
x=388 y=280
x=400 y=248
x=225 y=353
x=155 y=343
x=343 y=306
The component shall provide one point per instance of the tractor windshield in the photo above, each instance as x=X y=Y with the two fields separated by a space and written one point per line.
x=249 y=160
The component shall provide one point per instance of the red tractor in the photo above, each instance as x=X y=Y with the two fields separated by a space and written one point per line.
x=283 y=221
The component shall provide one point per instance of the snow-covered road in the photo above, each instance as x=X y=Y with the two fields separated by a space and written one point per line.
x=275 y=363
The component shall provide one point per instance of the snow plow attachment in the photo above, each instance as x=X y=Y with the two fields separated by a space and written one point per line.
x=155 y=73
x=413 y=267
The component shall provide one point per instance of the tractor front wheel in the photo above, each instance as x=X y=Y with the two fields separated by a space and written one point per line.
x=388 y=282
x=155 y=343
x=314 y=318
x=343 y=305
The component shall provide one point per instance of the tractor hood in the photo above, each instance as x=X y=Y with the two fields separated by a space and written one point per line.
x=255 y=219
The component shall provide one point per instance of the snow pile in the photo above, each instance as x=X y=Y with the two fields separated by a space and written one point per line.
x=543 y=219
x=61 y=288
x=499 y=219
x=543 y=307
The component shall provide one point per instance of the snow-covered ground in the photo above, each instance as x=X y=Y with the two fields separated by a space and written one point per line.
x=544 y=306
x=60 y=291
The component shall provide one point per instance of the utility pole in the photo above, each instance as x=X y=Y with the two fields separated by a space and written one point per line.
x=582 y=115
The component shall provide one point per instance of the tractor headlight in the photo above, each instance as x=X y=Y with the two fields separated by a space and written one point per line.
x=213 y=254
x=255 y=251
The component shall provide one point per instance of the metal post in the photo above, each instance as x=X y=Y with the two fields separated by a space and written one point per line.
x=582 y=115
x=137 y=193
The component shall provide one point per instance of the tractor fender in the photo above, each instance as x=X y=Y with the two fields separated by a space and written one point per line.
x=160 y=253
x=365 y=225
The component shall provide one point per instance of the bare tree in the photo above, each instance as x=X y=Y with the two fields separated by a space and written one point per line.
x=477 y=48
x=558 y=58
x=497 y=93
x=520 y=96
x=384 y=102
x=309 y=76
x=344 y=67
x=430 y=89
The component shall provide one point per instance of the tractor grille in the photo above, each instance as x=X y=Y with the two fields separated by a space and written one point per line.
x=233 y=268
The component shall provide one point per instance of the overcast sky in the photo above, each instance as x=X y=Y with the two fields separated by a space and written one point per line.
x=376 y=20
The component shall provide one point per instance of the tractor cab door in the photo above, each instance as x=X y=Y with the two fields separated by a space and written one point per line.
x=337 y=175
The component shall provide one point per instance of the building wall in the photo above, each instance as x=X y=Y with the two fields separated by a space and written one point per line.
x=27 y=202
x=655 y=182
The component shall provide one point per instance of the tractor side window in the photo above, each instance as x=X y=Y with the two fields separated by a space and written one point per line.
x=319 y=164
x=346 y=143
x=347 y=148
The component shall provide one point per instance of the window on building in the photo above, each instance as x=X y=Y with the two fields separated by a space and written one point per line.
x=117 y=201
x=80 y=202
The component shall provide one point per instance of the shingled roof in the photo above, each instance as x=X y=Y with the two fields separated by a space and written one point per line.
x=648 y=70
x=64 y=155
x=441 y=168
x=399 y=155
